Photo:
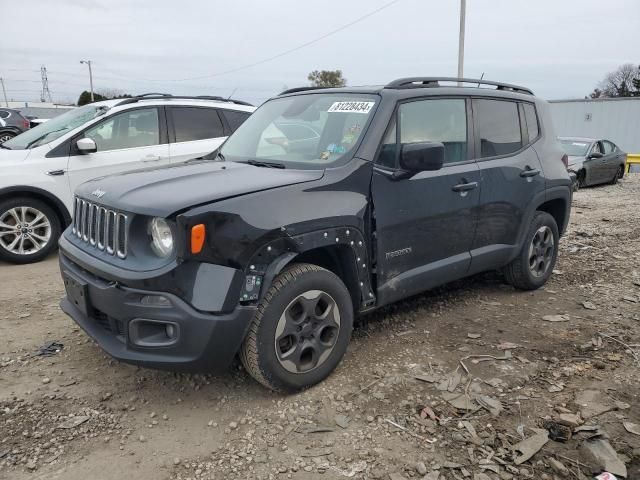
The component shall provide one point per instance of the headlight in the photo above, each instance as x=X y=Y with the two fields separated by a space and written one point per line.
x=161 y=237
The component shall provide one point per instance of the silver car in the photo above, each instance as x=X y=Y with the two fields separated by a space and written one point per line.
x=593 y=161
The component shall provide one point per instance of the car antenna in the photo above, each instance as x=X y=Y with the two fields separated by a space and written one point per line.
x=234 y=91
x=481 y=77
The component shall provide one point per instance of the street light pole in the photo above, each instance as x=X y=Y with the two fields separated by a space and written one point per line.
x=463 y=9
x=88 y=62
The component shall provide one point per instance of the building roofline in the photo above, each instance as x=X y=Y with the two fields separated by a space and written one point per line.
x=588 y=100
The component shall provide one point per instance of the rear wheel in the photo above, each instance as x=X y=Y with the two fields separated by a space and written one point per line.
x=534 y=264
x=619 y=174
x=29 y=230
x=4 y=136
x=300 y=331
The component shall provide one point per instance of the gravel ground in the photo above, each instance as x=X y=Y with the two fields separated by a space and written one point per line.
x=474 y=380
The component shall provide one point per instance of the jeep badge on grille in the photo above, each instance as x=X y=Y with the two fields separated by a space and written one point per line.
x=98 y=193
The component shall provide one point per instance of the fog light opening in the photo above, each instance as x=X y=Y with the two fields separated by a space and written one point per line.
x=155 y=301
x=171 y=331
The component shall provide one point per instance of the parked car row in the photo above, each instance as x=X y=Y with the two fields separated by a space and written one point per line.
x=12 y=123
x=325 y=204
x=43 y=166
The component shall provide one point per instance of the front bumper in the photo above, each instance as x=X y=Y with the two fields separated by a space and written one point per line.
x=117 y=320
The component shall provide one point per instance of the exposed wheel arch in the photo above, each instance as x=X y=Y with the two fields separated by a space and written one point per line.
x=557 y=208
x=38 y=194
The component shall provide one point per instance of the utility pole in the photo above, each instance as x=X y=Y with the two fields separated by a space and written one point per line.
x=46 y=93
x=88 y=62
x=463 y=9
x=4 y=92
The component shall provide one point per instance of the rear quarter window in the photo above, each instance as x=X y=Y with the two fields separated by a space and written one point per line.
x=531 y=118
x=235 y=118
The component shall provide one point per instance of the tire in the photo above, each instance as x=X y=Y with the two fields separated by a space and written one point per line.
x=4 y=136
x=582 y=179
x=526 y=272
x=619 y=174
x=33 y=244
x=291 y=307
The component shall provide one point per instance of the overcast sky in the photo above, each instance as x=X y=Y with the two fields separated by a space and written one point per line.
x=559 y=48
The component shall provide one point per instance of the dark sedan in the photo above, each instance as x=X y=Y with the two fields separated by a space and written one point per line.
x=593 y=161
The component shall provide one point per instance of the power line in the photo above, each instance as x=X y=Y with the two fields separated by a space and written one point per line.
x=294 y=49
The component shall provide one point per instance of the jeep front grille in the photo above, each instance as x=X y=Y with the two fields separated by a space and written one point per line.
x=99 y=227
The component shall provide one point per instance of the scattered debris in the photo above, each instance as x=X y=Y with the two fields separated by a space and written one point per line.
x=413 y=434
x=557 y=466
x=342 y=421
x=532 y=445
x=48 y=349
x=556 y=318
x=557 y=431
x=492 y=405
x=73 y=422
x=474 y=335
x=507 y=346
x=602 y=457
x=426 y=411
x=593 y=403
x=427 y=378
x=632 y=427
x=589 y=306
x=460 y=401
x=569 y=419
x=630 y=299
x=606 y=476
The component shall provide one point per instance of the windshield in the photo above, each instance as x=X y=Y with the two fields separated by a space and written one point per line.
x=303 y=131
x=56 y=127
x=575 y=148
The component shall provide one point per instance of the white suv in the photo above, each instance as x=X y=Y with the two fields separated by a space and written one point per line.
x=40 y=169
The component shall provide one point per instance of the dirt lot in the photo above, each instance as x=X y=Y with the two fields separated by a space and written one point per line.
x=445 y=385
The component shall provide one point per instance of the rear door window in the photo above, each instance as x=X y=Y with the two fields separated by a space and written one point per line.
x=196 y=123
x=235 y=118
x=498 y=127
x=4 y=114
x=608 y=147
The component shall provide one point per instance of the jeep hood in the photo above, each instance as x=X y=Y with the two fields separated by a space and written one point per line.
x=163 y=191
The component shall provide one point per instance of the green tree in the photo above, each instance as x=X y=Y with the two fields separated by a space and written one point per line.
x=85 y=98
x=327 y=78
x=105 y=94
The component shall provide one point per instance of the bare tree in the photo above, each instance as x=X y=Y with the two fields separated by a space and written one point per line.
x=623 y=82
x=112 y=92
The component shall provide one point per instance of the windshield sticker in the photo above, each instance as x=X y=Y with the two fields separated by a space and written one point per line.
x=325 y=155
x=351 y=107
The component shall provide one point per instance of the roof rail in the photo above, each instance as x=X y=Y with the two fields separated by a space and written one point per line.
x=421 y=82
x=156 y=96
x=301 y=89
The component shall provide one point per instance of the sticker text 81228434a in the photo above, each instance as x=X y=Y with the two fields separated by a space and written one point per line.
x=351 y=107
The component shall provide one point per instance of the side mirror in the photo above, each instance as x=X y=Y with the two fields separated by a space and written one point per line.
x=86 y=145
x=422 y=156
x=596 y=155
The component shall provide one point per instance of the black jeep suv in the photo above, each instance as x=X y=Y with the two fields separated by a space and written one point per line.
x=325 y=204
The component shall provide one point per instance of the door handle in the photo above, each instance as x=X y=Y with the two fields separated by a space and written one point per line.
x=464 y=187
x=530 y=172
x=151 y=158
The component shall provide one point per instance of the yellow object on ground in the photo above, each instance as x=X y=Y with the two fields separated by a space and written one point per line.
x=632 y=159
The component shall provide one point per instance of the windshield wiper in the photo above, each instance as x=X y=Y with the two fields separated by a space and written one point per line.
x=28 y=145
x=260 y=163
x=214 y=156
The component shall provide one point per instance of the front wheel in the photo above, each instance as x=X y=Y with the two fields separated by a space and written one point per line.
x=29 y=230
x=534 y=264
x=300 y=331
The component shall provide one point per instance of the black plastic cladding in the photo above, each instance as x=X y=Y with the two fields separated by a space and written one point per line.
x=350 y=237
